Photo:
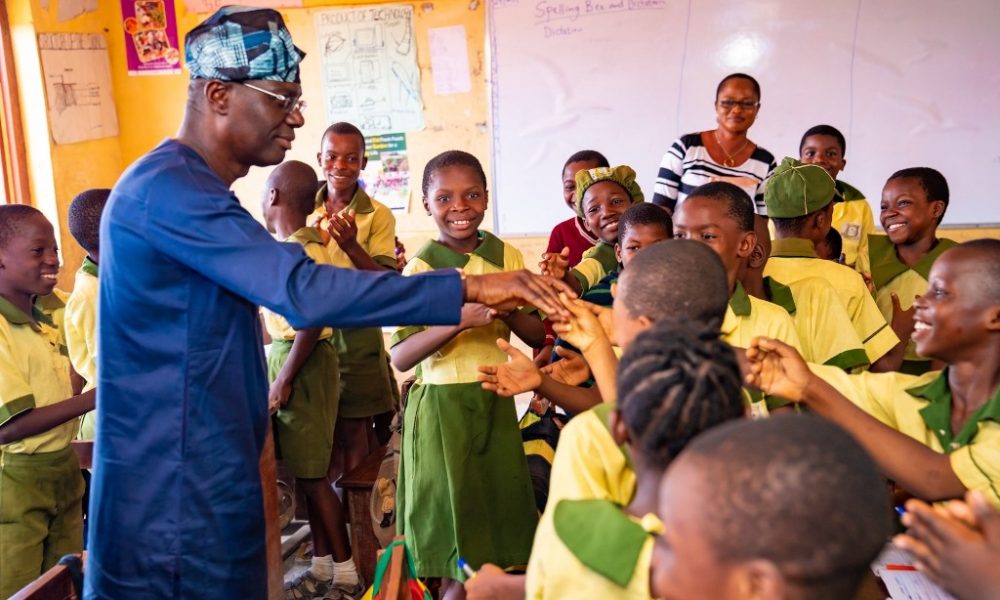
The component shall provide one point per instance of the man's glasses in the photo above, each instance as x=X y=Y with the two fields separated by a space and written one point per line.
x=288 y=103
x=744 y=104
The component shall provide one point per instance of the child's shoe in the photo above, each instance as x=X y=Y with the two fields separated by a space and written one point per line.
x=306 y=587
x=341 y=591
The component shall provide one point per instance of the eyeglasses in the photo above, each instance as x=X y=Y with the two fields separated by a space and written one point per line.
x=744 y=104
x=288 y=103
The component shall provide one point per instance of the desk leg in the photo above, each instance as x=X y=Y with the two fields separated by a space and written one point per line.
x=364 y=544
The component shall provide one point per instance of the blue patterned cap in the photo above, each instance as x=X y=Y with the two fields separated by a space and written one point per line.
x=238 y=43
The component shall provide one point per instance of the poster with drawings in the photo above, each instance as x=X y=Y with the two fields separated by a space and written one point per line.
x=370 y=73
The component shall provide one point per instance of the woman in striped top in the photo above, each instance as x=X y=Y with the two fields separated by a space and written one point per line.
x=722 y=154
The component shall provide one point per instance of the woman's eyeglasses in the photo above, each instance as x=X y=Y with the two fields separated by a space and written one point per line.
x=744 y=104
x=288 y=103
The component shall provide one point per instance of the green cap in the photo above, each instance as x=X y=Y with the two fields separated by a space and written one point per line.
x=795 y=190
x=623 y=175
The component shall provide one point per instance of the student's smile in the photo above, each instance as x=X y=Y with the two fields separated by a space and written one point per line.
x=905 y=212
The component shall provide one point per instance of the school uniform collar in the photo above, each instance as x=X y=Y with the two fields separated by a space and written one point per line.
x=89 y=267
x=439 y=256
x=793 y=248
x=848 y=192
x=582 y=229
x=360 y=203
x=603 y=253
x=886 y=266
x=780 y=294
x=614 y=554
x=739 y=302
x=305 y=235
x=15 y=316
x=937 y=413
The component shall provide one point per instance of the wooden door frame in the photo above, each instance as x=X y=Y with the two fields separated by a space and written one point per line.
x=12 y=149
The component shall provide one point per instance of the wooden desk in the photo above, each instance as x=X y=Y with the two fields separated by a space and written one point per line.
x=357 y=485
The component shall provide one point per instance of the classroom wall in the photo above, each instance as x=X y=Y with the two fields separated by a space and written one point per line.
x=150 y=109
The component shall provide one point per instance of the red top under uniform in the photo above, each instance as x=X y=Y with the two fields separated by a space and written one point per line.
x=571 y=234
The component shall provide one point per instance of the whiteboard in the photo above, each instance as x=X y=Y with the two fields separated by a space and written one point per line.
x=908 y=82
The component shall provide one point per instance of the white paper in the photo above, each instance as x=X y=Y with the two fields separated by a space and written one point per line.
x=912 y=585
x=891 y=555
x=77 y=75
x=210 y=6
x=449 y=60
x=69 y=9
x=370 y=73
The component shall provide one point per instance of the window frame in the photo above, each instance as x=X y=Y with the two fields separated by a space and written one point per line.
x=13 y=157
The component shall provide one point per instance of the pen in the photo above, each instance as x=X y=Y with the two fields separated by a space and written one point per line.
x=900 y=510
x=465 y=567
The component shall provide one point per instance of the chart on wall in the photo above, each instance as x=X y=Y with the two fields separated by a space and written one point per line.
x=370 y=73
x=77 y=75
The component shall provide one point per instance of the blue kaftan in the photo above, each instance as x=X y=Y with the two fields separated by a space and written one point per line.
x=176 y=508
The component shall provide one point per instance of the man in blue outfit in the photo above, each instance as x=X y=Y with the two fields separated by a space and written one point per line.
x=176 y=508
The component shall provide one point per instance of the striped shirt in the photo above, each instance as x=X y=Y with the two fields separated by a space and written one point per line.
x=687 y=164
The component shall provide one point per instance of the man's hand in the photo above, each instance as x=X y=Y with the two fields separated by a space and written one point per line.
x=343 y=229
x=571 y=370
x=278 y=394
x=581 y=328
x=516 y=376
x=777 y=368
x=555 y=265
x=507 y=291
x=958 y=545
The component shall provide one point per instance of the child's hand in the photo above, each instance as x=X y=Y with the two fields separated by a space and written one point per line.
x=516 y=376
x=278 y=394
x=343 y=229
x=489 y=584
x=958 y=545
x=476 y=315
x=571 y=370
x=555 y=265
x=902 y=320
x=582 y=328
x=777 y=368
x=323 y=233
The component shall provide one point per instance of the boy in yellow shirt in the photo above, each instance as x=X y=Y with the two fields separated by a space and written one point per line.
x=938 y=434
x=302 y=368
x=41 y=488
x=800 y=201
x=913 y=203
x=81 y=308
x=720 y=215
x=825 y=146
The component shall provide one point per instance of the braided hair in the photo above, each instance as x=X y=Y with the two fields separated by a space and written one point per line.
x=675 y=381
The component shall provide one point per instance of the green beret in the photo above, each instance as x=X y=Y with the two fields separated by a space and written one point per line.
x=623 y=175
x=795 y=190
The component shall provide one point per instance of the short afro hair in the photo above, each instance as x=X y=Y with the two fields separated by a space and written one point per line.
x=344 y=128
x=794 y=490
x=296 y=185
x=753 y=83
x=85 y=218
x=645 y=213
x=589 y=156
x=451 y=158
x=933 y=182
x=739 y=205
x=676 y=280
x=12 y=216
x=829 y=130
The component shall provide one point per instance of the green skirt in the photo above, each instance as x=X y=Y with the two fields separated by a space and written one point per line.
x=366 y=381
x=463 y=487
x=303 y=430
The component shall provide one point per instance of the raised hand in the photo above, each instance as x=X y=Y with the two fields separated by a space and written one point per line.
x=509 y=290
x=555 y=265
x=343 y=229
x=516 y=376
x=777 y=368
x=582 y=327
x=571 y=370
x=902 y=320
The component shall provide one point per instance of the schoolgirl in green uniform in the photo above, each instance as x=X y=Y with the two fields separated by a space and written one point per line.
x=464 y=488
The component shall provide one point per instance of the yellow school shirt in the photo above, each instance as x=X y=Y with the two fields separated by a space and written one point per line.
x=595 y=264
x=458 y=361
x=592 y=549
x=748 y=317
x=376 y=229
x=919 y=406
x=825 y=332
x=53 y=306
x=34 y=372
x=81 y=335
x=277 y=327
x=891 y=276
x=853 y=219
x=793 y=259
